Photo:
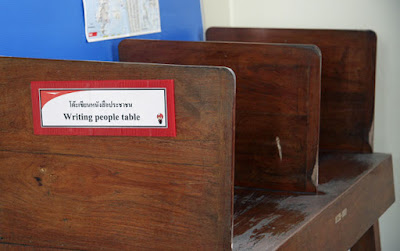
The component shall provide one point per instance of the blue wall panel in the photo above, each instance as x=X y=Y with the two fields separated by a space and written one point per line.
x=55 y=29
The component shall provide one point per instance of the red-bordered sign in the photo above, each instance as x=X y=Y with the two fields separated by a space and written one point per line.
x=109 y=107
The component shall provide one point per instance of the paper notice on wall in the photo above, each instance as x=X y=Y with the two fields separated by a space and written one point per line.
x=110 y=19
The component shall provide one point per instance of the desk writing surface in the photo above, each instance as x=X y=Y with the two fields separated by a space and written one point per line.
x=277 y=112
x=355 y=191
x=99 y=192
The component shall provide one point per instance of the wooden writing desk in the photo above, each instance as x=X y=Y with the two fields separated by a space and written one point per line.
x=347 y=102
x=347 y=87
x=152 y=212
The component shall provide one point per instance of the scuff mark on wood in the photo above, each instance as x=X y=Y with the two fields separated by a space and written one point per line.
x=278 y=145
x=39 y=181
x=314 y=175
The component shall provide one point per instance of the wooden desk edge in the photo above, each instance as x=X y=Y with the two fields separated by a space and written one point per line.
x=374 y=183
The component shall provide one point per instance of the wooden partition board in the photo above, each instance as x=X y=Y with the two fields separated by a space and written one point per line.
x=277 y=112
x=348 y=79
x=127 y=193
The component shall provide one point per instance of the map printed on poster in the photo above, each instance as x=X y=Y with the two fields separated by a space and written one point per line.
x=122 y=108
x=110 y=19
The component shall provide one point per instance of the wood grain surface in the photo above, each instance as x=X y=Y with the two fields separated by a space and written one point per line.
x=277 y=112
x=266 y=220
x=355 y=190
x=110 y=193
x=348 y=79
x=370 y=241
x=17 y=247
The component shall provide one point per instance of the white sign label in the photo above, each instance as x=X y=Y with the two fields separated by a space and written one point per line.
x=107 y=108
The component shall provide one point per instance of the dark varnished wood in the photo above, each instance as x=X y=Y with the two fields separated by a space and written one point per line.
x=370 y=241
x=348 y=79
x=16 y=247
x=360 y=184
x=108 y=193
x=267 y=220
x=278 y=93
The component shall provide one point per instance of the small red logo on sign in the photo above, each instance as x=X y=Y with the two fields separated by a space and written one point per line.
x=93 y=34
x=160 y=118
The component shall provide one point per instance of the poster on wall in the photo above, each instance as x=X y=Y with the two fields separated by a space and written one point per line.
x=111 y=19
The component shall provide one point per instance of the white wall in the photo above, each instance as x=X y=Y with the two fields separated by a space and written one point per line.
x=382 y=16
x=216 y=13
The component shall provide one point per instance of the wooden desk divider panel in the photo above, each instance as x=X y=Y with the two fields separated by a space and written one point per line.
x=126 y=193
x=277 y=112
x=348 y=79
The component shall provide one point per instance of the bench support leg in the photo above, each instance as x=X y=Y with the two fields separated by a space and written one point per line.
x=370 y=241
